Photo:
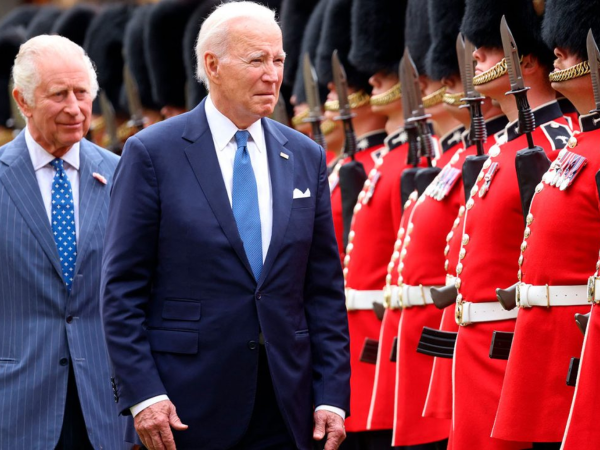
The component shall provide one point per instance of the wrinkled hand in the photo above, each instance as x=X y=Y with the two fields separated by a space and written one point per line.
x=154 y=423
x=330 y=424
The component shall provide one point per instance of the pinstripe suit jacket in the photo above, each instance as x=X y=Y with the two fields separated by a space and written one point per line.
x=34 y=335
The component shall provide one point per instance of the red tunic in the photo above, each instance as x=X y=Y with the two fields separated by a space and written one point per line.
x=492 y=236
x=373 y=232
x=439 y=397
x=582 y=429
x=562 y=240
x=422 y=263
x=367 y=158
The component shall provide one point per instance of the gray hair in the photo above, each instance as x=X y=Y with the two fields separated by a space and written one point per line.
x=25 y=71
x=214 y=33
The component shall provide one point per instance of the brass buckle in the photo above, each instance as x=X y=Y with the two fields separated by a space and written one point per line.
x=458 y=313
x=591 y=289
x=387 y=296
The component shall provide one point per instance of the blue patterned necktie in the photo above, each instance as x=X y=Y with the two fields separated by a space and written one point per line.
x=63 y=222
x=245 y=204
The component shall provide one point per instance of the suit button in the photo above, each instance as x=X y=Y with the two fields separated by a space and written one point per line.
x=63 y=362
x=258 y=296
x=252 y=345
x=69 y=319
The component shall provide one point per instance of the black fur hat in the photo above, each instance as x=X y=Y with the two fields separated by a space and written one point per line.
x=310 y=41
x=295 y=15
x=74 y=22
x=566 y=24
x=10 y=41
x=164 y=42
x=43 y=21
x=104 y=45
x=195 y=89
x=19 y=17
x=377 y=34
x=416 y=33
x=481 y=25
x=445 y=17
x=133 y=48
x=336 y=36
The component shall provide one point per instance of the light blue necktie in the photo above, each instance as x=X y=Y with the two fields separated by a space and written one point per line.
x=245 y=204
x=63 y=222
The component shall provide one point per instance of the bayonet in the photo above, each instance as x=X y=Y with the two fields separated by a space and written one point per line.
x=280 y=112
x=411 y=88
x=134 y=102
x=341 y=87
x=311 y=86
x=409 y=126
x=594 y=60
x=517 y=85
x=467 y=63
x=110 y=123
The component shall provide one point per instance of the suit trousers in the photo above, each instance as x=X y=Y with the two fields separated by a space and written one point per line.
x=267 y=429
x=73 y=435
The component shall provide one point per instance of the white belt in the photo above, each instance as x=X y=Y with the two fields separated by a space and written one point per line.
x=528 y=295
x=468 y=312
x=593 y=289
x=362 y=300
x=416 y=296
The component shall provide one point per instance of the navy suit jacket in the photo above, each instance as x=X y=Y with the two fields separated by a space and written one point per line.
x=182 y=310
x=36 y=341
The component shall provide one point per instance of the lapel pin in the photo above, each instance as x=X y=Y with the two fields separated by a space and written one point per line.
x=99 y=177
x=284 y=155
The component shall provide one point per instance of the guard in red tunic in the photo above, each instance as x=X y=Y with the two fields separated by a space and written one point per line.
x=553 y=265
x=494 y=220
x=368 y=127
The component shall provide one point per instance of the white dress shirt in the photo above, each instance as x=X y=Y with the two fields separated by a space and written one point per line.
x=44 y=173
x=223 y=132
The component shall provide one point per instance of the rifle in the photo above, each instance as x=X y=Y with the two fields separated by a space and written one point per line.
x=315 y=115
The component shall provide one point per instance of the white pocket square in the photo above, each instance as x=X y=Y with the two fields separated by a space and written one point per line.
x=299 y=194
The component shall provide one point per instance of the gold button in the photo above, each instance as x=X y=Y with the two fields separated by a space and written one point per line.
x=351 y=235
x=390 y=266
x=403 y=253
x=446 y=250
x=527 y=232
x=449 y=237
x=410 y=227
x=388 y=279
x=494 y=150
x=400 y=267
x=470 y=203
x=459 y=268
x=462 y=253
x=372 y=173
x=367 y=183
x=361 y=196
x=457 y=283
x=465 y=239
x=474 y=190
x=539 y=188
x=487 y=163
x=346 y=260
x=523 y=246
x=519 y=275
x=461 y=211
x=395 y=256
x=357 y=207
x=406 y=240
x=572 y=142
x=413 y=196
x=400 y=280
x=446 y=265
x=529 y=219
x=349 y=247
x=407 y=204
x=397 y=244
x=598 y=265
x=521 y=259
x=401 y=232
x=480 y=177
x=459 y=298
x=456 y=222
x=345 y=272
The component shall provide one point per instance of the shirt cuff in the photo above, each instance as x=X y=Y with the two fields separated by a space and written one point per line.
x=340 y=412
x=138 y=408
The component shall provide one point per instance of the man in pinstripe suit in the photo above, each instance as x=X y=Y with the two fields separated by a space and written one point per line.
x=54 y=192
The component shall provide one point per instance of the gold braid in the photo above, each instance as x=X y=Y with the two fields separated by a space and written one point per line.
x=576 y=71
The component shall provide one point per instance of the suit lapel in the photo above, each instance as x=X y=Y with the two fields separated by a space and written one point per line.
x=282 y=184
x=202 y=157
x=20 y=182
x=91 y=197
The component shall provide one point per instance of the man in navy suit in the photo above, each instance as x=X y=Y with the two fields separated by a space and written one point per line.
x=222 y=289
x=54 y=195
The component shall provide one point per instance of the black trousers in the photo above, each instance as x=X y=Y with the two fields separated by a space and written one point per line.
x=546 y=445
x=267 y=430
x=368 y=440
x=73 y=435
x=439 y=445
